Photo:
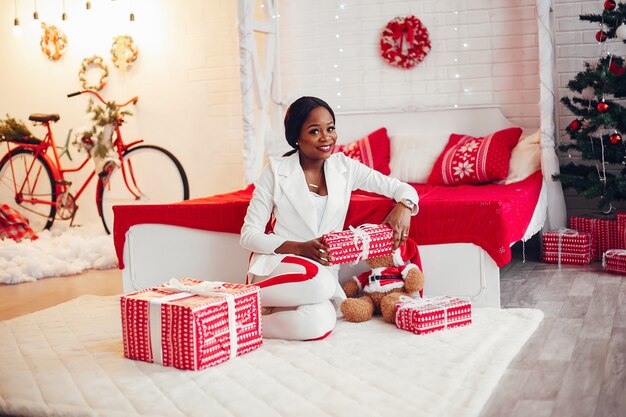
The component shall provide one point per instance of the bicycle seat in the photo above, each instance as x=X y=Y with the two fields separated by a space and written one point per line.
x=37 y=117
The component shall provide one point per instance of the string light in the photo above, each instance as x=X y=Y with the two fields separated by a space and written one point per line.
x=64 y=15
x=35 y=13
x=17 y=30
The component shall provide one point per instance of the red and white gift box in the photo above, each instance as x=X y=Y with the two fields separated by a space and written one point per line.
x=587 y=225
x=191 y=324
x=621 y=231
x=614 y=260
x=363 y=242
x=428 y=315
x=567 y=246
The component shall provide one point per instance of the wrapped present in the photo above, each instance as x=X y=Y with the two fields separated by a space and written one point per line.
x=428 y=315
x=567 y=246
x=614 y=260
x=13 y=225
x=191 y=324
x=587 y=225
x=363 y=242
x=621 y=231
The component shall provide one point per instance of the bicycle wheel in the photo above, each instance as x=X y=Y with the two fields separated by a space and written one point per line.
x=38 y=184
x=150 y=175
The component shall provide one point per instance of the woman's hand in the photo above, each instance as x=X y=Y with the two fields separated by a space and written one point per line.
x=313 y=249
x=400 y=221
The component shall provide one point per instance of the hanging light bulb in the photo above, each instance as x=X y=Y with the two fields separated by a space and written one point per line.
x=88 y=5
x=17 y=30
x=64 y=15
x=36 y=13
x=132 y=17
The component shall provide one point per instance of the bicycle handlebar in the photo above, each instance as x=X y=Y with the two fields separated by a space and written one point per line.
x=95 y=93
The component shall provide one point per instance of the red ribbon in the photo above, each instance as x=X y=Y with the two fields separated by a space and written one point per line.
x=407 y=27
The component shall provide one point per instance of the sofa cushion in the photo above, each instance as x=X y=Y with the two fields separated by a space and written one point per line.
x=525 y=158
x=470 y=160
x=413 y=155
x=372 y=150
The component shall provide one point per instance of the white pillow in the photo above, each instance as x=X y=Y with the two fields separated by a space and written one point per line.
x=525 y=158
x=413 y=155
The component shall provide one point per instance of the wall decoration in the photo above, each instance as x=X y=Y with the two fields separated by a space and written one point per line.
x=84 y=66
x=53 y=42
x=404 y=42
x=123 y=52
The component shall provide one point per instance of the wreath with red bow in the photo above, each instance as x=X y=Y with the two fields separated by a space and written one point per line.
x=404 y=42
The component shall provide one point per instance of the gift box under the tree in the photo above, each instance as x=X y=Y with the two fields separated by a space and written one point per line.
x=614 y=260
x=428 y=315
x=567 y=246
x=587 y=225
x=363 y=242
x=191 y=324
x=621 y=230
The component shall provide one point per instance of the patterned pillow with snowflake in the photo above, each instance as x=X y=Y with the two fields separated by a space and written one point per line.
x=470 y=160
x=373 y=150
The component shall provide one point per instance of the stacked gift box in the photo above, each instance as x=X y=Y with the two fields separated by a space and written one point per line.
x=428 y=315
x=363 y=242
x=191 y=324
x=567 y=246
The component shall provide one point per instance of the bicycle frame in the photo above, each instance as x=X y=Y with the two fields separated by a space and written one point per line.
x=56 y=166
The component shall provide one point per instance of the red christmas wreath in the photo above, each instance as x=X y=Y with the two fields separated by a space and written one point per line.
x=392 y=42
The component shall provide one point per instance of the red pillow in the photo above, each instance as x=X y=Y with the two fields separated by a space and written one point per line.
x=372 y=150
x=470 y=160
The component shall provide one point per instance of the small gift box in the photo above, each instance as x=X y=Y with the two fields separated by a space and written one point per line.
x=621 y=231
x=587 y=225
x=567 y=246
x=428 y=315
x=191 y=324
x=614 y=260
x=363 y=242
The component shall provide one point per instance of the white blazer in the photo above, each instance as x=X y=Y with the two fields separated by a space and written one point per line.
x=282 y=190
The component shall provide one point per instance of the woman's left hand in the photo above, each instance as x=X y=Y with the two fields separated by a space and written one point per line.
x=400 y=221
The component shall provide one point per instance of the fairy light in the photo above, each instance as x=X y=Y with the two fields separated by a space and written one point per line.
x=17 y=30
x=340 y=50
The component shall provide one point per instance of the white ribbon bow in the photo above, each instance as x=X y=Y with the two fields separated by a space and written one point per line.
x=561 y=232
x=182 y=290
x=361 y=236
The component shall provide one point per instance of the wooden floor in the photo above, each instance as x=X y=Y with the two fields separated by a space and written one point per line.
x=574 y=364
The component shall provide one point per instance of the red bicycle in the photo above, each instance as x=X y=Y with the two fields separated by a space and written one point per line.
x=35 y=181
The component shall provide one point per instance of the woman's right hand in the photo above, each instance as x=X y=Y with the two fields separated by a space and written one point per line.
x=313 y=249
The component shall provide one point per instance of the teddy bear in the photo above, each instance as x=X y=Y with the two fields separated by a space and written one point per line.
x=379 y=289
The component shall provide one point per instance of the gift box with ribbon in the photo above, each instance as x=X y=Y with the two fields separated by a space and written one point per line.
x=614 y=260
x=567 y=246
x=191 y=324
x=428 y=315
x=358 y=243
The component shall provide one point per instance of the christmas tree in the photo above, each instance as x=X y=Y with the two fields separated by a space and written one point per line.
x=597 y=132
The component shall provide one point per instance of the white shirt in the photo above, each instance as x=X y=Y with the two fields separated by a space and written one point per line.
x=319 y=201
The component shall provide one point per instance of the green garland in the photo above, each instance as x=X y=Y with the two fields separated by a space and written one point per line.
x=14 y=130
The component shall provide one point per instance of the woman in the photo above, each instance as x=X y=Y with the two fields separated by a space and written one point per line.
x=306 y=194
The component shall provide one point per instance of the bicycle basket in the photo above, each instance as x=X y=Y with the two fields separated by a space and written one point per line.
x=14 y=130
x=29 y=140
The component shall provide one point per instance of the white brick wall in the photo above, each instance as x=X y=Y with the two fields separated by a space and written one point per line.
x=493 y=51
x=576 y=44
x=187 y=78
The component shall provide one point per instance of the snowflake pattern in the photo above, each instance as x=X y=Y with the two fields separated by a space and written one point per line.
x=463 y=169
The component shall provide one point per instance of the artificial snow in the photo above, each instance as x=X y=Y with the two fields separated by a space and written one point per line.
x=61 y=251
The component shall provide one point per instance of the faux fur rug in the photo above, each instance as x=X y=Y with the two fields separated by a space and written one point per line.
x=68 y=361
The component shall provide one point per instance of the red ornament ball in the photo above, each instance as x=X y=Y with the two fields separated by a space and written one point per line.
x=609 y=5
x=601 y=36
x=575 y=125
x=602 y=107
x=615 y=137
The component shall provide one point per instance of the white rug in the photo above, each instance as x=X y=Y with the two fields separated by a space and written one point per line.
x=68 y=361
x=62 y=251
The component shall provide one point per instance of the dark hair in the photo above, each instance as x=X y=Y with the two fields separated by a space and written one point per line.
x=297 y=114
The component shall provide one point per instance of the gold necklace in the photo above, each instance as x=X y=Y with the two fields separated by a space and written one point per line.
x=316 y=186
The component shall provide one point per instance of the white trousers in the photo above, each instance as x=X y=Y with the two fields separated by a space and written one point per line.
x=298 y=292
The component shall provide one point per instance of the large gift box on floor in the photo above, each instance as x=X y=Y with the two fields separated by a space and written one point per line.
x=363 y=242
x=614 y=260
x=191 y=324
x=567 y=246
x=427 y=315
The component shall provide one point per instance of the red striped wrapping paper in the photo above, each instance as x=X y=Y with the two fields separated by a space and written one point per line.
x=190 y=331
x=575 y=247
x=428 y=315
x=621 y=231
x=614 y=260
x=605 y=232
x=363 y=242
